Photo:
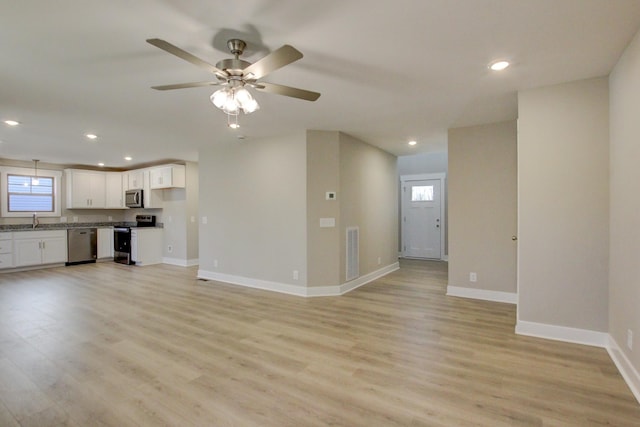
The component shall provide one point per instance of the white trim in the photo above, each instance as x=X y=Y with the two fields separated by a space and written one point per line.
x=628 y=372
x=370 y=277
x=442 y=177
x=253 y=283
x=302 y=291
x=45 y=173
x=562 y=333
x=180 y=262
x=482 y=294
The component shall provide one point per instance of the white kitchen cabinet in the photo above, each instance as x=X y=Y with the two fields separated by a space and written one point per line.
x=146 y=246
x=85 y=189
x=168 y=176
x=135 y=179
x=6 y=250
x=105 y=242
x=114 y=191
x=152 y=198
x=39 y=247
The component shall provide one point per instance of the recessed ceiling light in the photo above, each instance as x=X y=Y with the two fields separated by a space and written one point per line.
x=499 y=65
x=128 y=158
x=413 y=142
x=91 y=136
x=12 y=122
x=100 y=164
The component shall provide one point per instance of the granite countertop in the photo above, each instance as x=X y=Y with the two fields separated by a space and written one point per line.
x=68 y=225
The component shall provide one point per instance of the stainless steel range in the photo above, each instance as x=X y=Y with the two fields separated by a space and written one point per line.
x=122 y=238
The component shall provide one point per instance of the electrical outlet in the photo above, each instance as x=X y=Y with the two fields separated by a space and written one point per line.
x=109 y=218
x=473 y=277
x=630 y=339
x=215 y=263
x=75 y=219
x=204 y=219
x=379 y=260
x=295 y=274
x=169 y=248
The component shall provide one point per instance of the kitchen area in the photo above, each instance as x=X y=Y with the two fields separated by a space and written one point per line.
x=139 y=217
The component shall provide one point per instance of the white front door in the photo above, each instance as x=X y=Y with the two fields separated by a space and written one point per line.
x=421 y=218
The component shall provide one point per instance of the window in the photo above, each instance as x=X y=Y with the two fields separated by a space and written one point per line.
x=22 y=193
x=422 y=193
x=30 y=194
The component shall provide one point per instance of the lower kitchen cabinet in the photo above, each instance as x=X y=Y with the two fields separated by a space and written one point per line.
x=105 y=243
x=6 y=250
x=146 y=245
x=39 y=247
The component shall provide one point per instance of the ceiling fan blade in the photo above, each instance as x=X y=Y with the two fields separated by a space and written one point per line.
x=185 y=85
x=175 y=50
x=276 y=59
x=293 y=92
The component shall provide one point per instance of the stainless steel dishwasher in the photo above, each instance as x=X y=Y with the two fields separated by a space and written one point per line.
x=82 y=245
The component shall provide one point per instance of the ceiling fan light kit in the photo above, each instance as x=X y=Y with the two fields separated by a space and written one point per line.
x=236 y=74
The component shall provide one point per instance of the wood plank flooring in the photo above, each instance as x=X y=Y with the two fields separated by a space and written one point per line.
x=112 y=345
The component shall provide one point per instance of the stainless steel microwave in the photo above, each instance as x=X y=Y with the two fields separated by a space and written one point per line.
x=133 y=199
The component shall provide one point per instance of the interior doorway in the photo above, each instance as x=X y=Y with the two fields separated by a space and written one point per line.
x=422 y=216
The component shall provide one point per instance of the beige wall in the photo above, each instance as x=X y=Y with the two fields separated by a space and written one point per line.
x=179 y=205
x=192 y=187
x=563 y=189
x=364 y=179
x=369 y=199
x=323 y=174
x=253 y=194
x=624 y=272
x=483 y=206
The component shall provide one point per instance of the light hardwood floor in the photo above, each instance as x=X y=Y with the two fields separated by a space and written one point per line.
x=111 y=345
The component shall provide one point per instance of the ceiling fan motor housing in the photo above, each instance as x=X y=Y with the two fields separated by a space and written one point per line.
x=233 y=66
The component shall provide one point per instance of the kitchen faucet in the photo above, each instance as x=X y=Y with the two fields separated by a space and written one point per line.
x=35 y=221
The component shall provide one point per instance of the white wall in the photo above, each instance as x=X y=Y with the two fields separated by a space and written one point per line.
x=417 y=164
x=253 y=194
x=624 y=272
x=563 y=190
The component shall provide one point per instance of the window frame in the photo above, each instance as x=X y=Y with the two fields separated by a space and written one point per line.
x=5 y=171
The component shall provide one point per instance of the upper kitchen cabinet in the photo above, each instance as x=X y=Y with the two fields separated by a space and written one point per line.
x=114 y=190
x=167 y=176
x=85 y=189
x=135 y=179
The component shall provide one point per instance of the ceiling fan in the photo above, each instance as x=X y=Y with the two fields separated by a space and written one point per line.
x=235 y=74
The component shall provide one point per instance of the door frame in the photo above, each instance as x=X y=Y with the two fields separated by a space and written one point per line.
x=441 y=177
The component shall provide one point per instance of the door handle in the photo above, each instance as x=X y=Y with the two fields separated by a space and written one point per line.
x=514 y=238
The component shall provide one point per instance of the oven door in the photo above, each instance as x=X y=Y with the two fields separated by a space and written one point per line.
x=122 y=245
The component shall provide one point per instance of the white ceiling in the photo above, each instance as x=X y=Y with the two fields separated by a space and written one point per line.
x=389 y=71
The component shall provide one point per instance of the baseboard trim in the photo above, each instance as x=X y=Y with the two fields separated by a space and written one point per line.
x=180 y=262
x=628 y=372
x=482 y=294
x=302 y=291
x=363 y=280
x=253 y=283
x=562 y=333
